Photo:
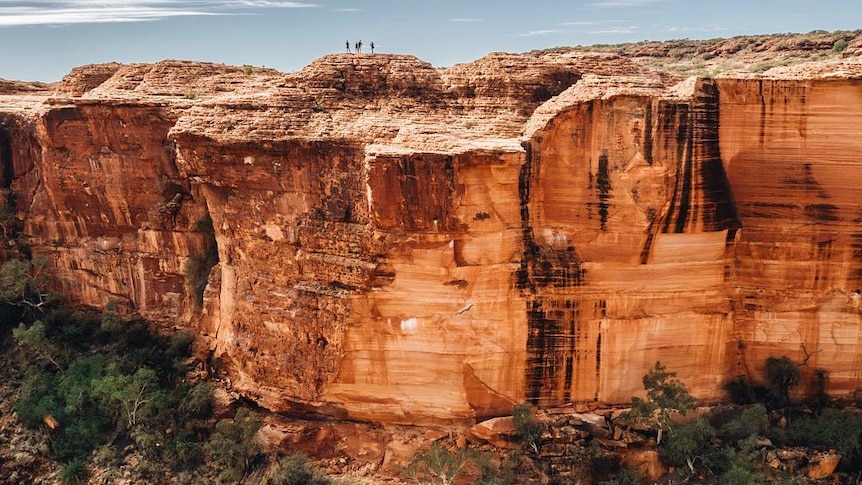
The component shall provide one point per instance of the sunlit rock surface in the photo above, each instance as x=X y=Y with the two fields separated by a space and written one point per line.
x=393 y=242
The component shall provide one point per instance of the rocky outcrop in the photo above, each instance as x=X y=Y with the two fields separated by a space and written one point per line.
x=372 y=238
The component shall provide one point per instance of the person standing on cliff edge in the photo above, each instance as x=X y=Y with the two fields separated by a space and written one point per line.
x=372 y=47
x=347 y=45
x=359 y=47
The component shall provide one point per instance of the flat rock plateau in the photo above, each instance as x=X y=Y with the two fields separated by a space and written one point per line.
x=372 y=238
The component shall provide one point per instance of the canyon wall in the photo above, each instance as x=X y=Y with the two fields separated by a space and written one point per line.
x=372 y=238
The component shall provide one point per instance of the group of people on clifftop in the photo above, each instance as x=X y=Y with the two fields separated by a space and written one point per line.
x=357 y=46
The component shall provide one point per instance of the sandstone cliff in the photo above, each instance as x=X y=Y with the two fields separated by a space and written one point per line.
x=373 y=238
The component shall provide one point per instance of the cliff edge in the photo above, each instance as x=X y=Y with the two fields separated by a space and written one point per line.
x=374 y=238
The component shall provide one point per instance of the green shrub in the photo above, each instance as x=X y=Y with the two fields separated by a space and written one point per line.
x=665 y=395
x=528 y=430
x=743 y=392
x=739 y=463
x=837 y=429
x=686 y=442
x=106 y=456
x=91 y=378
x=819 y=398
x=738 y=423
x=839 y=46
x=34 y=338
x=184 y=450
x=232 y=445
x=118 y=385
x=38 y=398
x=149 y=443
x=76 y=383
x=737 y=476
x=197 y=401
x=73 y=472
x=111 y=322
x=781 y=376
x=83 y=433
x=492 y=481
x=626 y=476
x=180 y=344
x=296 y=470
x=438 y=465
x=64 y=399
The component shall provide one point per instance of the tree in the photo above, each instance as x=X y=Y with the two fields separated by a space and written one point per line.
x=527 y=428
x=439 y=465
x=820 y=398
x=781 y=375
x=665 y=395
x=233 y=443
x=126 y=395
x=111 y=321
x=687 y=443
x=34 y=337
x=23 y=283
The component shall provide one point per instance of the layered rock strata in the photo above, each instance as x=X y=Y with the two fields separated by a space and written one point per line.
x=371 y=238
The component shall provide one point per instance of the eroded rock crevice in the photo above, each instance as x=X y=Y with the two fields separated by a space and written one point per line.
x=702 y=199
x=6 y=169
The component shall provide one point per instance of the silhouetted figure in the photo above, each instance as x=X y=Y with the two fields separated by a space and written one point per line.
x=372 y=47
x=359 y=47
x=347 y=45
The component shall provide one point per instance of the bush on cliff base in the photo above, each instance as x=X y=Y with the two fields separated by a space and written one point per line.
x=91 y=383
x=296 y=470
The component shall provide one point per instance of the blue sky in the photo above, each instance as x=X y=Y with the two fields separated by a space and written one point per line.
x=43 y=39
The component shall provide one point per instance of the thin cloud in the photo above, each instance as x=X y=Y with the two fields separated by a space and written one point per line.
x=621 y=30
x=694 y=29
x=587 y=23
x=264 y=4
x=537 y=33
x=464 y=20
x=623 y=3
x=60 y=12
x=347 y=9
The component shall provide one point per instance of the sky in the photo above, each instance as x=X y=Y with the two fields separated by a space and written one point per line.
x=44 y=39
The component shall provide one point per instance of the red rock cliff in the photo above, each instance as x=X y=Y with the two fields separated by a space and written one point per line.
x=373 y=238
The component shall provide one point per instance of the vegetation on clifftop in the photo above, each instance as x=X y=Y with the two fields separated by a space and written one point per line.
x=739 y=54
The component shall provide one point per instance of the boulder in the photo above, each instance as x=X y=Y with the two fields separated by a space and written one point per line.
x=500 y=432
x=822 y=465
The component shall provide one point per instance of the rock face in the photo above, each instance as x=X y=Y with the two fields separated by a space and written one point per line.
x=371 y=238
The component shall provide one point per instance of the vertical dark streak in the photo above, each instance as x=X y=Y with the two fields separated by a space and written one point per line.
x=603 y=187
x=531 y=249
x=598 y=365
x=762 y=137
x=648 y=129
x=5 y=157
x=684 y=200
x=702 y=198
x=681 y=141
